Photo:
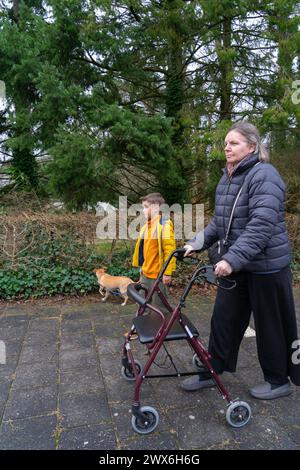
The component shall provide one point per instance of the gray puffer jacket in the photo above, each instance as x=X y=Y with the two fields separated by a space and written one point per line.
x=258 y=240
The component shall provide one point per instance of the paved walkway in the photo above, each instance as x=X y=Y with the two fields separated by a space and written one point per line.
x=61 y=386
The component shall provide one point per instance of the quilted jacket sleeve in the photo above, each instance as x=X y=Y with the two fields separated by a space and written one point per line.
x=266 y=196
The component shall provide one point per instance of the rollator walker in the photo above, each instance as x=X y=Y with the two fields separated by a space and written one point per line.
x=154 y=328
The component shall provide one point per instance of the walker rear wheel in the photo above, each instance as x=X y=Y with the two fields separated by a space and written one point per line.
x=196 y=362
x=127 y=371
x=150 y=424
x=238 y=414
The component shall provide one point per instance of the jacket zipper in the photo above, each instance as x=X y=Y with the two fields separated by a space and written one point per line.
x=224 y=227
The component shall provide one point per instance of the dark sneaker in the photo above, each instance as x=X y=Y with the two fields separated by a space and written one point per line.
x=197 y=382
x=266 y=391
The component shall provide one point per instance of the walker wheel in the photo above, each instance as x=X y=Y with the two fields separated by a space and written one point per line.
x=152 y=420
x=127 y=371
x=238 y=414
x=196 y=362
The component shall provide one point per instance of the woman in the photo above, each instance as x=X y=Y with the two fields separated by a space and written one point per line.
x=258 y=259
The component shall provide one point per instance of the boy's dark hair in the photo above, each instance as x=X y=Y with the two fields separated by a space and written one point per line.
x=153 y=198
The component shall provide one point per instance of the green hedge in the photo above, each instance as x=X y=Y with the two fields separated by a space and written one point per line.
x=59 y=266
x=68 y=270
x=25 y=283
x=38 y=282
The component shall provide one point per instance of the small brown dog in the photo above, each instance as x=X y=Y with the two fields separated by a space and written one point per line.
x=110 y=283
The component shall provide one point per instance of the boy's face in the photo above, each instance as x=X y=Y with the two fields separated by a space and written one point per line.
x=150 y=210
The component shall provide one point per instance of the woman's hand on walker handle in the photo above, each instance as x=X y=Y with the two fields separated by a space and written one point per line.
x=188 y=250
x=222 y=268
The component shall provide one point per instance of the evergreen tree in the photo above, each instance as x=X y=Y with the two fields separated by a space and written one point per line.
x=131 y=96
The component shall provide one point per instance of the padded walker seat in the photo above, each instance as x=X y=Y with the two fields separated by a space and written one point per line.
x=148 y=325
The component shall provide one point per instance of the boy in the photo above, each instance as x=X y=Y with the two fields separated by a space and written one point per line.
x=155 y=242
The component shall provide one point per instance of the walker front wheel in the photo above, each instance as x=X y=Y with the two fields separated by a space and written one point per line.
x=238 y=414
x=145 y=426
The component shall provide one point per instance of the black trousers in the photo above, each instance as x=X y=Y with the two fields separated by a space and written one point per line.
x=270 y=298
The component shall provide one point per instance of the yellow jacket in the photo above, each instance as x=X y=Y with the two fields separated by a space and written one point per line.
x=166 y=244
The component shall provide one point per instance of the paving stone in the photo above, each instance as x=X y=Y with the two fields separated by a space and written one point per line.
x=182 y=356
x=8 y=369
x=75 y=326
x=246 y=360
x=262 y=433
x=199 y=428
x=249 y=347
x=47 y=311
x=12 y=332
x=227 y=444
x=47 y=325
x=4 y=391
x=110 y=330
x=41 y=337
x=126 y=311
x=281 y=410
x=294 y=435
x=121 y=389
x=13 y=347
x=34 y=375
x=74 y=315
x=170 y=395
x=29 y=434
x=83 y=312
x=110 y=345
x=13 y=320
x=42 y=353
x=88 y=438
x=29 y=403
x=161 y=441
x=85 y=408
x=95 y=400
x=78 y=359
x=250 y=376
x=80 y=380
x=79 y=340
x=17 y=311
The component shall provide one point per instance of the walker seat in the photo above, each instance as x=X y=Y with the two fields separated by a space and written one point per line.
x=147 y=327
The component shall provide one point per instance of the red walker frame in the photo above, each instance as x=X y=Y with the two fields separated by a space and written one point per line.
x=173 y=326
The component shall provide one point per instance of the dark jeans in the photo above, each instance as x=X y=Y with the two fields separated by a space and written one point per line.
x=270 y=298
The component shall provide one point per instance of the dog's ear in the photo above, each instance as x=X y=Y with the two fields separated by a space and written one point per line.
x=99 y=271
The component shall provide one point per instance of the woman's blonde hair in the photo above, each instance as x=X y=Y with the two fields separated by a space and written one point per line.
x=251 y=134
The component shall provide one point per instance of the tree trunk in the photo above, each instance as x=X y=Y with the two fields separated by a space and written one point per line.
x=22 y=159
x=226 y=69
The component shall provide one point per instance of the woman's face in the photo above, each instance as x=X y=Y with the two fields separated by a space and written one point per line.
x=236 y=147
